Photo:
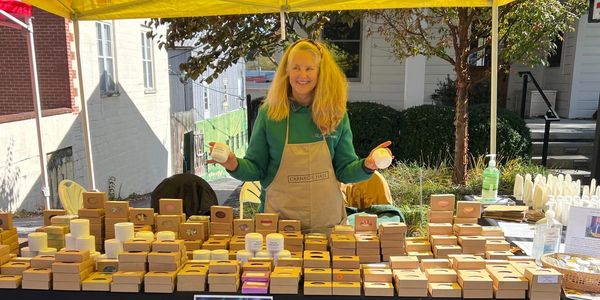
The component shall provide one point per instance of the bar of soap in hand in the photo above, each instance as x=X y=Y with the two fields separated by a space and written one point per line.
x=220 y=152
x=382 y=157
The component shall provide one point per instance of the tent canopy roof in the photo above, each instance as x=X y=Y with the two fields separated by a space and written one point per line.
x=130 y=9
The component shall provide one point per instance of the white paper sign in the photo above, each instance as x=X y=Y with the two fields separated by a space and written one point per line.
x=583 y=231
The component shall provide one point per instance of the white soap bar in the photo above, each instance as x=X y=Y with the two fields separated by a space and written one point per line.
x=382 y=157
x=112 y=248
x=70 y=242
x=253 y=242
x=202 y=254
x=165 y=235
x=243 y=256
x=220 y=254
x=263 y=254
x=80 y=228
x=48 y=251
x=220 y=152
x=124 y=231
x=518 y=187
x=274 y=242
x=26 y=252
x=37 y=241
x=86 y=243
x=146 y=235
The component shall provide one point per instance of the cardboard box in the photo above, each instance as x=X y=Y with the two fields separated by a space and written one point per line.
x=133 y=257
x=317 y=288
x=377 y=275
x=160 y=278
x=472 y=242
x=164 y=257
x=317 y=274
x=42 y=261
x=266 y=222
x=49 y=213
x=315 y=245
x=94 y=199
x=192 y=280
x=440 y=275
x=420 y=254
x=317 y=261
x=498 y=254
x=467 y=262
x=14 y=268
x=170 y=206
x=168 y=246
x=346 y=275
x=435 y=263
x=367 y=242
x=509 y=294
x=36 y=285
x=343 y=241
x=137 y=245
x=479 y=294
x=215 y=244
x=468 y=209
x=289 y=225
x=440 y=229
x=458 y=220
x=125 y=287
x=443 y=240
x=168 y=223
x=66 y=285
x=283 y=289
x=411 y=292
x=411 y=281
x=107 y=265
x=475 y=280
x=37 y=274
x=72 y=256
x=440 y=216
x=243 y=226
x=257 y=266
x=544 y=279
x=6 y=220
x=346 y=262
x=128 y=277
x=364 y=223
x=392 y=228
x=223 y=278
x=467 y=229
x=97 y=282
x=133 y=267
x=141 y=216
x=404 y=262
x=442 y=251
x=192 y=231
x=497 y=245
x=117 y=210
x=224 y=266
x=444 y=290
x=443 y=202
x=346 y=288
x=365 y=259
x=509 y=281
x=418 y=246
x=9 y=281
x=379 y=289
x=543 y=295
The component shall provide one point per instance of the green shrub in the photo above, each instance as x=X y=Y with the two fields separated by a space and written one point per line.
x=372 y=124
x=445 y=93
x=427 y=134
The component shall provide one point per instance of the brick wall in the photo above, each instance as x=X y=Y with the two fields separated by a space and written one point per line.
x=54 y=57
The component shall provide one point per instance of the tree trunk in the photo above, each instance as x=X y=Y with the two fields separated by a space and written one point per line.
x=461 y=120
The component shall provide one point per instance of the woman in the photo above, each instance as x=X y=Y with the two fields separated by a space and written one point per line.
x=301 y=144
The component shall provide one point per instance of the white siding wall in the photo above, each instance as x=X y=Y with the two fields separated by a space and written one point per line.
x=586 y=70
x=130 y=132
x=436 y=70
x=382 y=75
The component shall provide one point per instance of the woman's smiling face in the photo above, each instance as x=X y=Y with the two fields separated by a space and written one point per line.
x=303 y=72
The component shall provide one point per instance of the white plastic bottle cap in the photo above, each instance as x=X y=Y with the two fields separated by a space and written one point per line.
x=382 y=158
x=220 y=152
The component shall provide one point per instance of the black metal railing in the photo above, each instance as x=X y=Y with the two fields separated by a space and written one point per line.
x=549 y=117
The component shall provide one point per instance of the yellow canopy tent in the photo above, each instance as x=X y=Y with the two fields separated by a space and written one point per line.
x=129 y=9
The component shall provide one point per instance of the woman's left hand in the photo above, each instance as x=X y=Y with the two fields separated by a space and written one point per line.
x=370 y=162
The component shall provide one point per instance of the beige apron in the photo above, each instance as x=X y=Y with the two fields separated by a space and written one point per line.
x=305 y=187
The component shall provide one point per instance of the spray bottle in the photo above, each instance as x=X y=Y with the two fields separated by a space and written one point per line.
x=491 y=178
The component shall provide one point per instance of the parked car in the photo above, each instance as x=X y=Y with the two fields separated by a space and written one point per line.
x=260 y=76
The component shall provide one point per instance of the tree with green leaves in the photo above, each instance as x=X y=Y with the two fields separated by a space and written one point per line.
x=527 y=35
x=220 y=41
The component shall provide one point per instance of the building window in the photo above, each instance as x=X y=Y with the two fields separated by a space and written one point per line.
x=205 y=100
x=105 y=59
x=147 y=61
x=482 y=57
x=225 y=96
x=554 y=59
x=345 y=44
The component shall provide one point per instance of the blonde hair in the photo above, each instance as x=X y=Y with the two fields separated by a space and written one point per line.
x=330 y=94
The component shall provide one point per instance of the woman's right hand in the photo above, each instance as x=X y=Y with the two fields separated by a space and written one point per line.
x=231 y=164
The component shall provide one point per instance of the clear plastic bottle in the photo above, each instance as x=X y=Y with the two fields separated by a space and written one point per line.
x=491 y=178
x=548 y=232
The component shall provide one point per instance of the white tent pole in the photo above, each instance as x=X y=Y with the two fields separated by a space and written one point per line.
x=84 y=114
x=494 y=84
x=35 y=84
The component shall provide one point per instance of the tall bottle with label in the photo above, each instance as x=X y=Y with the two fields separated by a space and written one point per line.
x=548 y=232
x=491 y=179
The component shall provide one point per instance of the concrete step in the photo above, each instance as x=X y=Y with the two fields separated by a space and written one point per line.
x=564 y=134
x=576 y=162
x=563 y=148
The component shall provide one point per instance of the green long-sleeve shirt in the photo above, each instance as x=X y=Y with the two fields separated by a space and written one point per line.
x=268 y=138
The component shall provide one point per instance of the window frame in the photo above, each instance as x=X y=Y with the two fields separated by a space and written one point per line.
x=360 y=42
x=148 y=62
x=105 y=45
